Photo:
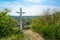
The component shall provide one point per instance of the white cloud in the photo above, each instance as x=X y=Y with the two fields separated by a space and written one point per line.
x=31 y=10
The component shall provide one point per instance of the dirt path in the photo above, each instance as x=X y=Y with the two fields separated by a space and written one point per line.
x=30 y=35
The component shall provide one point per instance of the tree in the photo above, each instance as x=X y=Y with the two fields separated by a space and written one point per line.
x=6 y=23
x=48 y=26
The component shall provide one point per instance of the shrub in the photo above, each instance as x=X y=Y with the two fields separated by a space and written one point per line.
x=8 y=26
x=48 y=26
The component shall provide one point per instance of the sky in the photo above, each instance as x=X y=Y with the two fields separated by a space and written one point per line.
x=30 y=7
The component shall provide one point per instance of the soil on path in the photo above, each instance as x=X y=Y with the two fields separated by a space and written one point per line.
x=31 y=35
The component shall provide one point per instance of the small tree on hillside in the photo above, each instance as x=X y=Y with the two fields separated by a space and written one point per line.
x=48 y=26
x=6 y=23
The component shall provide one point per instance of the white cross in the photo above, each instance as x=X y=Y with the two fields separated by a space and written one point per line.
x=21 y=28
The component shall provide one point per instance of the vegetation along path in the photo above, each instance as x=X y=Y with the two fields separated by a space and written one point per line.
x=31 y=35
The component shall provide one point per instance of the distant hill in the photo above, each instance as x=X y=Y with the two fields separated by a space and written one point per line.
x=23 y=17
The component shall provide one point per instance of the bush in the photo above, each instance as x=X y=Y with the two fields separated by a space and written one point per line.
x=8 y=26
x=16 y=35
x=27 y=27
x=48 y=26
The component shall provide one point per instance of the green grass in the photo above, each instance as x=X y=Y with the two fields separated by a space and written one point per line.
x=15 y=35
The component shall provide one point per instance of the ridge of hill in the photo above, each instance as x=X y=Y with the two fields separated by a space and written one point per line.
x=24 y=17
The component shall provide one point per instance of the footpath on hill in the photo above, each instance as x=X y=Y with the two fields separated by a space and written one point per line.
x=31 y=35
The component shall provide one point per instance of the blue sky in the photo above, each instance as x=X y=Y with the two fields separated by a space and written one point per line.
x=31 y=7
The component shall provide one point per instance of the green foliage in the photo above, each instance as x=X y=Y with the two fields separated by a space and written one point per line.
x=8 y=26
x=27 y=27
x=16 y=35
x=48 y=26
